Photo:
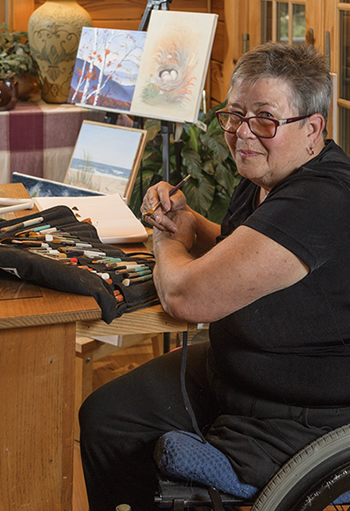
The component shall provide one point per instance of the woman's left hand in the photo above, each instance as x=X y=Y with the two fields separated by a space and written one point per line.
x=185 y=232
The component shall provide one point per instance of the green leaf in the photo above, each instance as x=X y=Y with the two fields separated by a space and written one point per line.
x=225 y=177
x=193 y=133
x=199 y=194
x=153 y=129
x=218 y=208
x=191 y=160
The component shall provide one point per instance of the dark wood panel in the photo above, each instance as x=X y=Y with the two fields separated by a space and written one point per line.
x=218 y=88
x=218 y=7
x=219 y=42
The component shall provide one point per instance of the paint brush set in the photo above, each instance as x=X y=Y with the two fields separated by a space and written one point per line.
x=54 y=249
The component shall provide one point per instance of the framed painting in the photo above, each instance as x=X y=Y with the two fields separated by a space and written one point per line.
x=106 y=158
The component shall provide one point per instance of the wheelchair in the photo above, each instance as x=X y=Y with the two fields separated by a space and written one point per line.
x=317 y=478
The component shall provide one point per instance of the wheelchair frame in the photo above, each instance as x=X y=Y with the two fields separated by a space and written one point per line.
x=311 y=480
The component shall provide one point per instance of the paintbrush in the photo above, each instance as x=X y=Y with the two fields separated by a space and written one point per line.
x=172 y=191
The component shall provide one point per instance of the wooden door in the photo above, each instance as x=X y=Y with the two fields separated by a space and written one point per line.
x=340 y=63
x=272 y=20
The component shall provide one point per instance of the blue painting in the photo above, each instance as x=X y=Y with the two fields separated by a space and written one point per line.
x=106 y=68
x=39 y=187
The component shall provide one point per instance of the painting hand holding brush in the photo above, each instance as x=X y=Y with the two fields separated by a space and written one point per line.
x=162 y=193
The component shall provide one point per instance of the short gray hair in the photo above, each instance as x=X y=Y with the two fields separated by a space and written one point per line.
x=303 y=67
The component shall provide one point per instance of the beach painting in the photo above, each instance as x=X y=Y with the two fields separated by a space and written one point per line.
x=106 y=68
x=106 y=158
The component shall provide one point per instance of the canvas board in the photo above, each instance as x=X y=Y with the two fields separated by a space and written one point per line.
x=106 y=68
x=161 y=75
x=106 y=158
x=174 y=65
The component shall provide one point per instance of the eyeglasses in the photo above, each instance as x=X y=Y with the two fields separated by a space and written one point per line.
x=262 y=127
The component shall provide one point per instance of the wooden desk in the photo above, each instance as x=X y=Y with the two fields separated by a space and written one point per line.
x=37 y=353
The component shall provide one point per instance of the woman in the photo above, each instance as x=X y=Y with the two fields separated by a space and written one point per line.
x=272 y=282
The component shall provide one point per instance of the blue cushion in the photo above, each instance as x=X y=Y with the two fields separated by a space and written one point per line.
x=183 y=455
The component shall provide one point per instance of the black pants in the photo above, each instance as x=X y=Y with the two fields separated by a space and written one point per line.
x=121 y=422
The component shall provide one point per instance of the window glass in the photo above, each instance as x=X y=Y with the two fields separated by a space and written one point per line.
x=299 y=24
x=344 y=128
x=282 y=22
x=266 y=21
x=344 y=63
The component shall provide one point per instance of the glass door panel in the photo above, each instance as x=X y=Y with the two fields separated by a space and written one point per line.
x=344 y=55
x=298 y=24
x=283 y=21
x=344 y=77
x=266 y=21
x=344 y=129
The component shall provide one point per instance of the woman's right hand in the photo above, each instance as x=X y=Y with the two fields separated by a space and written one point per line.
x=160 y=192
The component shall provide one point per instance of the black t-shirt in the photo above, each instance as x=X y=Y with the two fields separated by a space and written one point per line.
x=293 y=346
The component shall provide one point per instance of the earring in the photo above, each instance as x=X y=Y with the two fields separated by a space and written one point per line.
x=311 y=151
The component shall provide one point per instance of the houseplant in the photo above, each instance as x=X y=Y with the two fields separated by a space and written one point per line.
x=203 y=154
x=16 y=60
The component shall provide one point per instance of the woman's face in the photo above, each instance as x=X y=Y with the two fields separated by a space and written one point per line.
x=267 y=161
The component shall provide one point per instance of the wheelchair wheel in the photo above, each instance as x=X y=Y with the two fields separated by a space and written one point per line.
x=314 y=479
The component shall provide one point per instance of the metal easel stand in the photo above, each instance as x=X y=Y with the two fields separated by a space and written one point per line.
x=166 y=126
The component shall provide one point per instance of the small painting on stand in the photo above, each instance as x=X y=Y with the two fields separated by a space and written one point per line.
x=106 y=68
x=106 y=158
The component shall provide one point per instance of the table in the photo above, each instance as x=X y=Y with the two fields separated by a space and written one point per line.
x=37 y=363
x=38 y=138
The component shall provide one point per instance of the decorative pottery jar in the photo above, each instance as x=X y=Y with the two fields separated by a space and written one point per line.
x=8 y=93
x=54 y=31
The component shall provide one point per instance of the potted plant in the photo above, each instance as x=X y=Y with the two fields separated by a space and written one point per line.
x=16 y=61
x=203 y=154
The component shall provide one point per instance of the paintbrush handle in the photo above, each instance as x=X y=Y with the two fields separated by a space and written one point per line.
x=172 y=191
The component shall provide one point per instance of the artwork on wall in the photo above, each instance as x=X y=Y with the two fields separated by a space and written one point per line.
x=159 y=74
x=106 y=158
x=106 y=68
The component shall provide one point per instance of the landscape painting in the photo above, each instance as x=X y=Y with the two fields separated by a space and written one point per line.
x=40 y=187
x=106 y=68
x=106 y=158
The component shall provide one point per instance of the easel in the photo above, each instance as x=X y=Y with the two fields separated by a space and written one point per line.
x=166 y=127
x=156 y=5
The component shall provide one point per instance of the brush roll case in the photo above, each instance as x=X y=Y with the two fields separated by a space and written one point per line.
x=15 y=258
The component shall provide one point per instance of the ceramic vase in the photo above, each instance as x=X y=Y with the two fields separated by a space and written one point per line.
x=54 y=31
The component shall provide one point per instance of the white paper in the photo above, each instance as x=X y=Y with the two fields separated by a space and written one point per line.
x=113 y=219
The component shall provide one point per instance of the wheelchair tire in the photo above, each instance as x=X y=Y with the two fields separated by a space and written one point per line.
x=313 y=478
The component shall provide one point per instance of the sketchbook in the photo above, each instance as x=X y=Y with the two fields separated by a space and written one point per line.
x=112 y=218
x=162 y=76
